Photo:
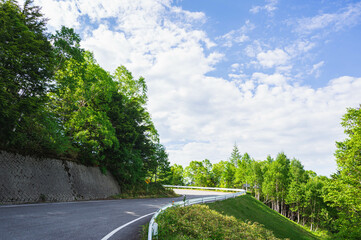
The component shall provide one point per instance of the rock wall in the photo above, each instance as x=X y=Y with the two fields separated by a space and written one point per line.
x=25 y=179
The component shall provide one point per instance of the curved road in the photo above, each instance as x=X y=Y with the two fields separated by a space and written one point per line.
x=83 y=220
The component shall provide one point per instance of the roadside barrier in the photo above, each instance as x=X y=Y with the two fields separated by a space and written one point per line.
x=153 y=226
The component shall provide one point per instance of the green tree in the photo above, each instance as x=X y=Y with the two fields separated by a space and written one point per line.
x=242 y=174
x=296 y=196
x=344 y=191
x=235 y=156
x=276 y=182
x=199 y=174
x=218 y=170
x=81 y=100
x=177 y=175
x=26 y=67
x=257 y=178
x=66 y=43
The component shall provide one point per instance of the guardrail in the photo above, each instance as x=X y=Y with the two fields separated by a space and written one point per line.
x=153 y=226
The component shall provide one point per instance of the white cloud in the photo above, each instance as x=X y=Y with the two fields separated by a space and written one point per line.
x=273 y=58
x=253 y=49
x=316 y=69
x=348 y=16
x=237 y=36
x=274 y=79
x=269 y=7
x=60 y=13
x=200 y=116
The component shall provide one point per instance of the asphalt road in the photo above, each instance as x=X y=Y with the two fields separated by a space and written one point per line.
x=82 y=220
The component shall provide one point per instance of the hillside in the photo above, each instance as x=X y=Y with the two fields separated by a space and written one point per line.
x=247 y=208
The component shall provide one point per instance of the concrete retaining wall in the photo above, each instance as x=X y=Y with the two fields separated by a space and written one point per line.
x=25 y=179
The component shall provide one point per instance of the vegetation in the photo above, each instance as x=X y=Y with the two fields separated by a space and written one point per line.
x=55 y=100
x=343 y=191
x=144 y=190
x=246 y=208
x=286 y=187
x=200 y=222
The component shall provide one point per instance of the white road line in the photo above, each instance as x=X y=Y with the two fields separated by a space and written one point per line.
x=123 y=226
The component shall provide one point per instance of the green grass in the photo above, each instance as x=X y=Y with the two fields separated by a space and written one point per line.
x=200 y=222
x=247 y=208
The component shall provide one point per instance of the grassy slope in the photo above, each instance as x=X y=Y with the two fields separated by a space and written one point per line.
x=247 y=208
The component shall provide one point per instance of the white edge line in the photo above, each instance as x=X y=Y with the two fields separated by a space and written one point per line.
x=123 y=226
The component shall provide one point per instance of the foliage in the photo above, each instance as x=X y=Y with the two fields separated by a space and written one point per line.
x=26 y=66
x=176 y=177
x=281 y=183
x=235 y=156
x=247 y=208
x=199 y=173
x=344 y=190
x=200 y=222
x=55 y=100
x=144 y=190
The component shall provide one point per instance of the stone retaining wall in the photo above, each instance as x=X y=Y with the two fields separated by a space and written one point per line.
x=25 y=179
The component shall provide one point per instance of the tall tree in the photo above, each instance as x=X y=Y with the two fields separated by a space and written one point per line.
x=199 y=173
x=276 y=182
x=235 y=156
x=296 y=196
x=344 y=191
x=242 y=174
x=26 y=67
x=177 y=175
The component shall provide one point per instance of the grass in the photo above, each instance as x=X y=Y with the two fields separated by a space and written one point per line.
x=201 y=222
x=247 y=208
x=237 y=218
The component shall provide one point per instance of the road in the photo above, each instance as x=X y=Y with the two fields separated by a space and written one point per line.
x=83 y=220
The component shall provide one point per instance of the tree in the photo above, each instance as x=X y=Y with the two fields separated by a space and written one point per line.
x=177 y=175
x=218 y=170
x=66 y=43
x=242 y=175
x=344 y=191
x=235 y=156
x=276 y=182
x=296 y=196
x=26 y=67
x=256 y=178
x=81 y=100
x=199 y=173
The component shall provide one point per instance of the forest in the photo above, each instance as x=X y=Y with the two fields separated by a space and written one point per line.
x=56 y=101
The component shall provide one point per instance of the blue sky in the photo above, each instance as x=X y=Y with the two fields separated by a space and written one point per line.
x=269 y=75
x=276 y=27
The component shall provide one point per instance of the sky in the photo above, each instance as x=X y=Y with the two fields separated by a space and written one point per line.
x=269 y=76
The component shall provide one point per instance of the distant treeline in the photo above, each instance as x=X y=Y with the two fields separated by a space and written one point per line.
x=332 y=204
x=55 y=100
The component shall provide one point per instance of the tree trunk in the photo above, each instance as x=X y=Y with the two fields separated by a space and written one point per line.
x=298 y=216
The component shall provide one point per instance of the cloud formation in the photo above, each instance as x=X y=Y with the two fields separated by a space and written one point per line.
x=342 y=19
x=201 y=116
x=273 y=58
x=269 y=7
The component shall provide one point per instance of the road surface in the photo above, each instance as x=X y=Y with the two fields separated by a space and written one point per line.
x=83 y=220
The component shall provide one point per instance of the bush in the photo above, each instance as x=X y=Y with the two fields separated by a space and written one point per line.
x=200 y=222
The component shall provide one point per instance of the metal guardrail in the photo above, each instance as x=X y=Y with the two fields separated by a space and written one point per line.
x=153 y=226
x=206 y=188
